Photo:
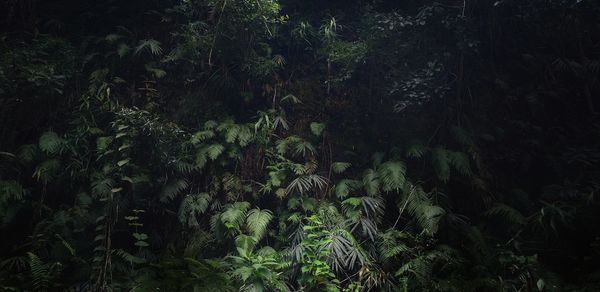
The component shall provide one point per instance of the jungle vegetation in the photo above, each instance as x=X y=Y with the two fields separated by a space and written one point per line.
x=299 y=145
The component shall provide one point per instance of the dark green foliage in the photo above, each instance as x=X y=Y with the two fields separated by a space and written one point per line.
x=264 y=145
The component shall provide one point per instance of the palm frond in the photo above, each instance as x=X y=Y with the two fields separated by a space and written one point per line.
x=150 y=45
x=306 y=183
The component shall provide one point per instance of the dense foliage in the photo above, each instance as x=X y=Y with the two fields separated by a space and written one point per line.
x=288 y=145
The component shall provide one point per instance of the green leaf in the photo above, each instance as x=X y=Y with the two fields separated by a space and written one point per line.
x=141 y=244
x=416 y=149
x=371 y=182
x=317 y=128
x=345 y=186
x=392 y=175
x=102 y=143
x=123 y=147
x=151 y=45
x=540 y=285
x=257 y=221
x=122 y=162
x=51 y=143
x=140 y=236
x=202 y=136
x=214 y=151
x=339 y=167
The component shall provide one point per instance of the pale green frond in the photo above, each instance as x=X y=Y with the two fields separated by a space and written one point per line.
x=213 y=151
x=306 y=183
x=192 y=206
x=150 y=45
x=317 y=128
x=234 y=215
x=40 y=276
x=257 y=221
x=392 y=175
x=371 y=182
x=344 y=187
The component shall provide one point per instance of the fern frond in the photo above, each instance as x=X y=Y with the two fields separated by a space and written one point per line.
x=172 y=189
x=202 y=136
x=392 y=175
x=441 y=163
x=371 y=182
x=231 y=133
x=40 y=277
x=202 y=157
x=233 y=216
x=193 y=205
x=429 y=217
x=51 y=143
x=151 y=45
x=390 y=245
x=460 y=162
x=508 y=213
x=345 y=186
x=213 y=151
x=257 y=221
x=210 y=125
x=183 y=167
x=419 y=205
x=245 y=136
x=416 y=149
x=11 y=190
x=28 y=153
